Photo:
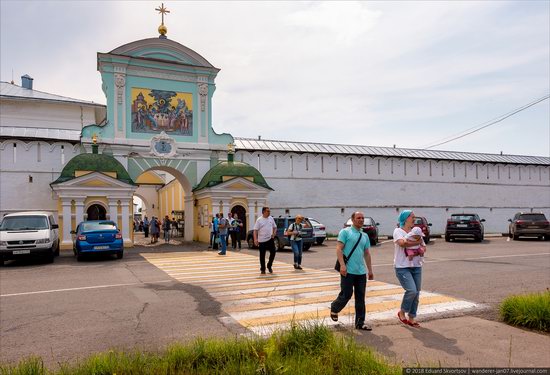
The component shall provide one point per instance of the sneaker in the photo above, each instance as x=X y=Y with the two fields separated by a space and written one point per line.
x=298 y=267
x=220 y=253
x=295 y=266
x=262 y=272
x=270 y=269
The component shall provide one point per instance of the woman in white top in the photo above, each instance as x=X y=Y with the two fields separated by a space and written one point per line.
x=408 y=272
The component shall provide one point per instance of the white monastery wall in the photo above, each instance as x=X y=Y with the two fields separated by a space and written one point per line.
x=37 y=114
x=330 y=188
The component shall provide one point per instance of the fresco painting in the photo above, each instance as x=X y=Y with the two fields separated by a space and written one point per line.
x=154 y=111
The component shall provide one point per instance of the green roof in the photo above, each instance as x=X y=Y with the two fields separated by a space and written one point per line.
x=96 y=163
x=231 y=169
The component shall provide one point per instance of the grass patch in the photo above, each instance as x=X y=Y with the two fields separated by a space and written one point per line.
x=530 y=311
x=303 y=349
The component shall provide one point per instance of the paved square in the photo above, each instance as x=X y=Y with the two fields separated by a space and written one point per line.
x=262 y=303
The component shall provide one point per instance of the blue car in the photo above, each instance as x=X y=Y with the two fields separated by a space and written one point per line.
x=97 y=236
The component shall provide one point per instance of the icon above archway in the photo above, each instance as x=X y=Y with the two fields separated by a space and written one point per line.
x=155 y=111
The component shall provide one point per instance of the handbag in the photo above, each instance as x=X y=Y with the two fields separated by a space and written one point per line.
x=337 y=265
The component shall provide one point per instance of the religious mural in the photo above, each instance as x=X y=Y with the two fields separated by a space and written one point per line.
x=154 y=111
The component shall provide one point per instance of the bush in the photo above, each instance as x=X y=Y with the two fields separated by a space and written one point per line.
x=530 y=311
x=303 y=349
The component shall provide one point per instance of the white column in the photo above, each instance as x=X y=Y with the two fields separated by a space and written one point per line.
x=251 y=217
x=67 y=239
x=189 y=218
x=126 y=221
x=79 y=203
x=113 y=210
x=225 y=208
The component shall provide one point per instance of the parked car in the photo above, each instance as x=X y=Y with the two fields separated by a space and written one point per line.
x=422 y=223
x=318 y=231
x=529 y=224
x=280 y=239
x=97 y=236
x=32 y=233
x=370 y=227
x=464 y=226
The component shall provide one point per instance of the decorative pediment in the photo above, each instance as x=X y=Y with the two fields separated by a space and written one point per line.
x=94 y=179
x=240 y=184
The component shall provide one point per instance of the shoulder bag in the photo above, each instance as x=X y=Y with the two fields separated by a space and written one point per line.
x=337 y=265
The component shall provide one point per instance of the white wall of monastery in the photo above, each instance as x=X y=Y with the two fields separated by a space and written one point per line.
x=330 y=188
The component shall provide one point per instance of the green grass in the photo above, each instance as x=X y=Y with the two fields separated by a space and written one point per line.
x=303 y=349
x=530 y=311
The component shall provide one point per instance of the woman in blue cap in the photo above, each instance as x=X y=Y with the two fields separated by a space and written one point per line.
x=409 y=272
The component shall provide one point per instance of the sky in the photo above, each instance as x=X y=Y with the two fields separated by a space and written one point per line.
x=408 y=74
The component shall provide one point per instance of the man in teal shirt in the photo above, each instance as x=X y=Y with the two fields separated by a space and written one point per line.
x=353 y=275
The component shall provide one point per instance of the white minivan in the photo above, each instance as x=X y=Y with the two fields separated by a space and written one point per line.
x=29 y=233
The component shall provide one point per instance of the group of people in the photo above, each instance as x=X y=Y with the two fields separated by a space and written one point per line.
x=222 y=229
x=355 y=262
x=409 y=249
x=154 y=226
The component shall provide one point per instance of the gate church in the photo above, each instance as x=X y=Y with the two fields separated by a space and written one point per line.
x=84 y=160
x=158 y=119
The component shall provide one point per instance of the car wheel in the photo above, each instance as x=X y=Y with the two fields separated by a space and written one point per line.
x=320 y=241
x=56 y=253
x=447 y=238
x=250 y=242
x=120 y=254
x=427 y=240
x=1 y=262
x=374 y=241
x=306 y=246
x=515 y=237
x=79 y=257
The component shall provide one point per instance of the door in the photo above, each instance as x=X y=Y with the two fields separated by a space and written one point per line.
x=241 y=214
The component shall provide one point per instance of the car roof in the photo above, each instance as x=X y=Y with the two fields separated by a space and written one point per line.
x=98 y=221
x=27 y=213
x=464 y=214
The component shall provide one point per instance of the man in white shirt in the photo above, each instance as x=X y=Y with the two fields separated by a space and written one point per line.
x=265 y=230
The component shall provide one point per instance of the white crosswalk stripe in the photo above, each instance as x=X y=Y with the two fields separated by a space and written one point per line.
x=263 y=303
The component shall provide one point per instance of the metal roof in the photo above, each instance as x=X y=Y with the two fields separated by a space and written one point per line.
x=252 y=144
x=13 y=91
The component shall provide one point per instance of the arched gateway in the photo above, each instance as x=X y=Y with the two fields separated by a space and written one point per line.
x=159 y=106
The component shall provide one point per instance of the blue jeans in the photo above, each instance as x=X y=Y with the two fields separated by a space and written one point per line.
x=411 y=280
x=350 y=284
x=167 y=235
x=223 y=243
x=297 y=247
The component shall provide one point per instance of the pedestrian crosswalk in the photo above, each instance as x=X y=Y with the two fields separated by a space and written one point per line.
x=262 y=303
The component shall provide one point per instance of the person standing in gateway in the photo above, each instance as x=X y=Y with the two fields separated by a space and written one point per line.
x=352 y=250
x=264 y=233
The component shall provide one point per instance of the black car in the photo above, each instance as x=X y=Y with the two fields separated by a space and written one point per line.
x=370 y=227
x=280 y=239
x=465 y=226
x=529 y=224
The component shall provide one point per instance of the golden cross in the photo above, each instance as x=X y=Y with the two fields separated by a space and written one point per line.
x=163 y=11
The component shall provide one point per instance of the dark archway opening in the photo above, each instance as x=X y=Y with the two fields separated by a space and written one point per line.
x=241 y=214
x=97 y=212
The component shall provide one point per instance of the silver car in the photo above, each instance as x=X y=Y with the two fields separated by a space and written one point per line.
x=318 y=231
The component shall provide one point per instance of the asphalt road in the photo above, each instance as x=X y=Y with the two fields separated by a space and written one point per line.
x=68 y=309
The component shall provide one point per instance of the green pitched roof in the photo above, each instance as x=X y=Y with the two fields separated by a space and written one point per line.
x=96 y=163
x=231 y=169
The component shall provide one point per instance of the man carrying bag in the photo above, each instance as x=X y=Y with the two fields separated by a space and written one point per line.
x=352 y=250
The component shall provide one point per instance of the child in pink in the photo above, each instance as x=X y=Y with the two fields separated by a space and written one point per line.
x=414 y=235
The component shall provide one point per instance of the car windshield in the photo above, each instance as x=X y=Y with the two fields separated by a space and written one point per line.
x=24 y=223
x=102 y=225
x=532 y=217
x=314 y=222
x=418 y=220
x=369 y=221
x=463 y=217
